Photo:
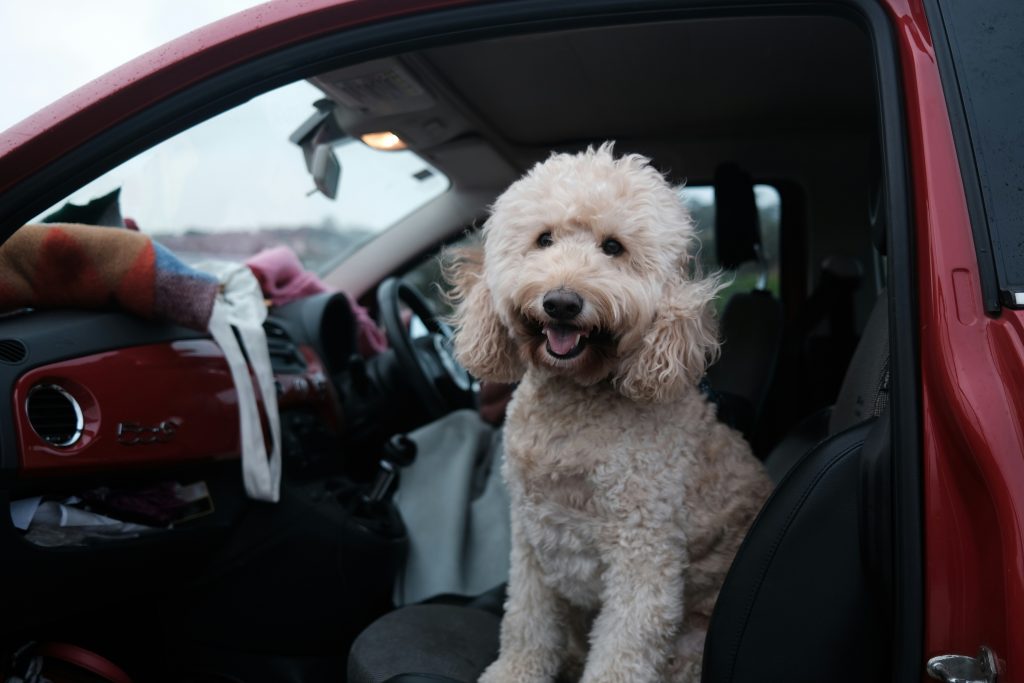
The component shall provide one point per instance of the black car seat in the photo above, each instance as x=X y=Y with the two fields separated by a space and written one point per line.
x=751 y=323
x=804 y=599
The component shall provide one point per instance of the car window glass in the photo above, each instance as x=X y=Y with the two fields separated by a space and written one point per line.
x=987 y=44
x=235 y=184
x=700 y=200
x=427 y=278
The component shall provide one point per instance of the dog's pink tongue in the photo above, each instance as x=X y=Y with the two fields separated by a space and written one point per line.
x=562 y=341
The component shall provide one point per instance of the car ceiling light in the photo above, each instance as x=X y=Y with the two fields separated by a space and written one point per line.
x=385 y=141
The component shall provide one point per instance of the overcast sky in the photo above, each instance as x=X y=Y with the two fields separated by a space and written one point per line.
x=50 y=47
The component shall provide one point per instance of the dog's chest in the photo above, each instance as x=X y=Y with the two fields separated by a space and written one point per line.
x=561 y=509
x=566 y=535
x=567 y=453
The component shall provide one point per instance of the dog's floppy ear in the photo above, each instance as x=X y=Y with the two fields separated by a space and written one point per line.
x=678 y=346
x=482 y=342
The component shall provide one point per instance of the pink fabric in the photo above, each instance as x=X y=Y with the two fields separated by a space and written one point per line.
x=283 y=279
x=282 y=276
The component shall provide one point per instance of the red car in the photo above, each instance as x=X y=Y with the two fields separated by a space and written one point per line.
x=858 y=165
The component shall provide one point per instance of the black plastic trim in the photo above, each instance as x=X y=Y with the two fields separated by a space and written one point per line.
x=905 y=395
x=325 y=322
x=965 y=158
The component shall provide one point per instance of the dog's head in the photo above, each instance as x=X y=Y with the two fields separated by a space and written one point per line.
x=585 y=272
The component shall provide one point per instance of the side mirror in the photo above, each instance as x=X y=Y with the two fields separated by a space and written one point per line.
x=317 y=137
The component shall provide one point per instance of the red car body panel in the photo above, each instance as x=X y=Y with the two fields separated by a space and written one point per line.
x=971 y=365
x=72 y=120
x=972 y=372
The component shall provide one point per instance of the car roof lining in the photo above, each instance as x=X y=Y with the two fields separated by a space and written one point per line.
x=790 y=97
x=673 y=80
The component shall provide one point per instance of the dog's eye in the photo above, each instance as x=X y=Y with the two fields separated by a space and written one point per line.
x=545 y=240
x=612 y=247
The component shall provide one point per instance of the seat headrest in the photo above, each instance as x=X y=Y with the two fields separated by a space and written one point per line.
x=737 y=226
x=865 y=390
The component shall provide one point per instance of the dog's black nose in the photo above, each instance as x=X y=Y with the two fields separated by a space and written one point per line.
x=563 y=304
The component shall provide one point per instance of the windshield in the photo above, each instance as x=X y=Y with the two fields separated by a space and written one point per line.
x=234 y=185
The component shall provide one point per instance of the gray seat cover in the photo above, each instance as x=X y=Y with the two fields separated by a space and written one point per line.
x=455 y=509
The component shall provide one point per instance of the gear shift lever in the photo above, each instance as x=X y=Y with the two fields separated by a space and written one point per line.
x=400 y=451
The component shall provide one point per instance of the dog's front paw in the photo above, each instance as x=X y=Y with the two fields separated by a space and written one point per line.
x=514 y=670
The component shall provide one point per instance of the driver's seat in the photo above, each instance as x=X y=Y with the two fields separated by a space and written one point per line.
x=805 y=597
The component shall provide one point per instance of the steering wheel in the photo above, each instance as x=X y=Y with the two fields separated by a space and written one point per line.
x=440 y=383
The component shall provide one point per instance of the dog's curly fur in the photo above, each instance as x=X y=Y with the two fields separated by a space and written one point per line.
x=629 y=498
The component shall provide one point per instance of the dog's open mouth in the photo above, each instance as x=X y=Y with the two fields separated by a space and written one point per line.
x=564 y=341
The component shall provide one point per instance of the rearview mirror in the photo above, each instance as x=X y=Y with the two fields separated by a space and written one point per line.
x=326 y=170
x=317 y=137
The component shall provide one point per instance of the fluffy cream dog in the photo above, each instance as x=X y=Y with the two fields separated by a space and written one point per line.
x=629 y=499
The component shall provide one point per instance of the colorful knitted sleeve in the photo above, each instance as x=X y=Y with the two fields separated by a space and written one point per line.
x=82 y=266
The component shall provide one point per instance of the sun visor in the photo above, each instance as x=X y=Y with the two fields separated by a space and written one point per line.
x=390 y=95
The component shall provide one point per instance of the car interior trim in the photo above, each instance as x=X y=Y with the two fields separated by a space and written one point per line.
x=178 y=405
x=905 y=398
x=56 y=336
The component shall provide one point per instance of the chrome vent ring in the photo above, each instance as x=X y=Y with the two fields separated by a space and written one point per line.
x=55 y=415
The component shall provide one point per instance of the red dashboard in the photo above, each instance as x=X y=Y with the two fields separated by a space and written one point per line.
x=143 y=406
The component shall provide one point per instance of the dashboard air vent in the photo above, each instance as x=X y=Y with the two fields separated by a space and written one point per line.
x=12 y=351
x=284 y=354
x=55 y=415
